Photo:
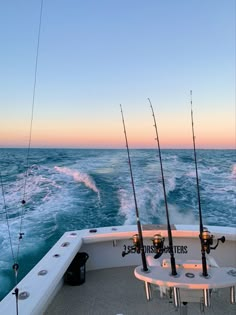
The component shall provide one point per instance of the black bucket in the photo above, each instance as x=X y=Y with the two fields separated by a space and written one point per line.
x=75 y=274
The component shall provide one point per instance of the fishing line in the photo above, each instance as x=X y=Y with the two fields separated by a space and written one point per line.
x=33 y=102
x=144 y=262
x=15 y=257
x=172 y=258
x=31 y=127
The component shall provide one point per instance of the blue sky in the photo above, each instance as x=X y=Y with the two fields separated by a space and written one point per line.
x=95 y=55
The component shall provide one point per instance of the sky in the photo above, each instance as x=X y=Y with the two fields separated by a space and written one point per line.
x=97 y=54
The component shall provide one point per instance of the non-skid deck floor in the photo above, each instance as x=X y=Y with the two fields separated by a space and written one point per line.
x=116 y=291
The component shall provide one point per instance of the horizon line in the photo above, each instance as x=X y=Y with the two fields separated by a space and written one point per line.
x=112 y=148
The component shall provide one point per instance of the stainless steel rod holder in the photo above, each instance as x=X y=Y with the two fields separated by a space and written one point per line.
x=232 y=295
x=207 y=298
x=176 y=296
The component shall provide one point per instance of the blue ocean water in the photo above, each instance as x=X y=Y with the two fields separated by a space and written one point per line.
x=70 y=189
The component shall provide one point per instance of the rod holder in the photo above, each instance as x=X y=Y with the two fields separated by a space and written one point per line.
x=232 y=295
x=148 y=291
x=206 y=297
x=176 y=296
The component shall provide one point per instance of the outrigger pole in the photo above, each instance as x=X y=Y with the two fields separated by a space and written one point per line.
x=172 y=258
x=140 y=234
x=204 y=264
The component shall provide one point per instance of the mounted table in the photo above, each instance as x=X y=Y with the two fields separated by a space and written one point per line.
x=189 y=277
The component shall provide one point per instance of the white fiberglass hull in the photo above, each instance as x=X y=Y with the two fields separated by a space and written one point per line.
x=104 y=247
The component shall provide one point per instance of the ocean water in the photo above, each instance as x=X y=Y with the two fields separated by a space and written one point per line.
x=70 y=189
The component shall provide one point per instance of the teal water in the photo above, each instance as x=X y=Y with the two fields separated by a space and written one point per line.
x=70 y=189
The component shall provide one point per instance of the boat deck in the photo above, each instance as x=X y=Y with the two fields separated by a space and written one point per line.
x=116 y=291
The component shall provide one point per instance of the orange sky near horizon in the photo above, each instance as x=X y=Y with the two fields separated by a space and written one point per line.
x=102 y=135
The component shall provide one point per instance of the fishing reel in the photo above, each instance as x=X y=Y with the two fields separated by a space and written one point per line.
x=158 y=243
x=135 y=247
x=207 y=240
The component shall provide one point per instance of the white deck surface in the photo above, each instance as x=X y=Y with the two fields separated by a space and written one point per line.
x=116 y=291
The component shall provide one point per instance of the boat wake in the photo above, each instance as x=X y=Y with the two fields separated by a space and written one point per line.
x=79 y=177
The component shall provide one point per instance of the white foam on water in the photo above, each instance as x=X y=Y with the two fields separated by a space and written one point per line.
x=43 y=200
x=79 y=177
x=127 y=208
x=178 y=217
x=233 y=174
x=147 y=202
x=28 y=188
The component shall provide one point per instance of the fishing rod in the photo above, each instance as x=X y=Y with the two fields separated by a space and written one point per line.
x=204 y=264
x=205 y=238
x=158 y=241
x=137 y=239
x=202 y=235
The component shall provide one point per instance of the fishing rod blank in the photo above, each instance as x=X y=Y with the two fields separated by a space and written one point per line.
x=140 y=235
x=203 y=234
x=172 y=258
x=205 y=237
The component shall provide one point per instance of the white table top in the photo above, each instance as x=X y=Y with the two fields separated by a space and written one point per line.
x=188 y=278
